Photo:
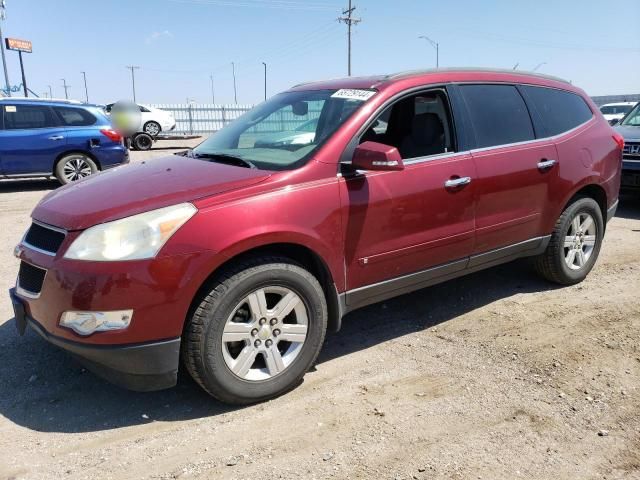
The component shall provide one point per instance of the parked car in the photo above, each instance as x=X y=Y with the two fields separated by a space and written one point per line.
x=237 y=258
x=154 y=120
x=613 y=112
x=303 y=134
x=65 y=139
x=629 y=128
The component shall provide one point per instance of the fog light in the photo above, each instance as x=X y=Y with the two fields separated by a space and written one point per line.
x=86 y=323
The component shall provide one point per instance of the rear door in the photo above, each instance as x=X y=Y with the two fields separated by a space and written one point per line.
x=514 y=168
x=31 y=140
x=79 y=125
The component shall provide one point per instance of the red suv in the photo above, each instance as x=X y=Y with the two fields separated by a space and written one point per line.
x=238 y=256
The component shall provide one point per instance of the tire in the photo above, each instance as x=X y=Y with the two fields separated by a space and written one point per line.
x=152 y=128
x=556 y=263
x=233 y=368
x=73 y=167
x=142 y=141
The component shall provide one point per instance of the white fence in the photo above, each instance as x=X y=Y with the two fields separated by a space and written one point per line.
x=201 y=119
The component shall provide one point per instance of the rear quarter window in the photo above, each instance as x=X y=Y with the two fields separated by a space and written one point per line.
x=558 y=111
x=498 y=113
x=75 y=117
x=24 y=117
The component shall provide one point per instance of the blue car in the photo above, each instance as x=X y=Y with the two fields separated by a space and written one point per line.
x=65 y=139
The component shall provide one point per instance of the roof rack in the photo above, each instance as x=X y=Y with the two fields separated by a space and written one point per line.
x=412 y=73
x=34 y=99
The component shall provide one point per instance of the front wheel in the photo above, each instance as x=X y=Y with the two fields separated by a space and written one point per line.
x=152 y=128
x=575 y=243
x=73 y=167
x=256 y=332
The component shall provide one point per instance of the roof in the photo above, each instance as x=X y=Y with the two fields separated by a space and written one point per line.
x=380 y=80
x=41 y=100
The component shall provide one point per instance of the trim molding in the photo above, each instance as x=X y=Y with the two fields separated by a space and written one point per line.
x=377 y=292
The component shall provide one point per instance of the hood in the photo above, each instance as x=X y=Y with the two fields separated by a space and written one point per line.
x=140 y=187
x=628 y=132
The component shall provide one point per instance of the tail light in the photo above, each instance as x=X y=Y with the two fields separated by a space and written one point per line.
x=112 y=134
x=619 y=140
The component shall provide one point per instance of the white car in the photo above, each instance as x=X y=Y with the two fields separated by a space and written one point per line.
x=153 y=120
x=615 y=111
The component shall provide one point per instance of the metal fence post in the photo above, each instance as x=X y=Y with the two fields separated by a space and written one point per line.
x=224 y=120
x=190 y=119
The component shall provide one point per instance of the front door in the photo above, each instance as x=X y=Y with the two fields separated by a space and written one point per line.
x=31 y=140
x=399 y=224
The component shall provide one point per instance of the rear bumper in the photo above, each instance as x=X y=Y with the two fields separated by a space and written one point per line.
x=141 y=367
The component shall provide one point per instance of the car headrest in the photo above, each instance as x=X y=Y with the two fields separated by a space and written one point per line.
x=426 y=128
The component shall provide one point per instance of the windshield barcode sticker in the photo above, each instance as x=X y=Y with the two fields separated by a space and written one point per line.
x=353 y=94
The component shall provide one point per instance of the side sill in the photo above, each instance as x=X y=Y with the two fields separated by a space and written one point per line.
x=360 y=297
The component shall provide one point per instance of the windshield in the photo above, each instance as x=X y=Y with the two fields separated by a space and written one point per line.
x=633 y=118
x=615 y=109
x=283 y=132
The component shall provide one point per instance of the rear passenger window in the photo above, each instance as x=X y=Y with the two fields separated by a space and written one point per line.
x=75 y=117
x=559 y=110
x=498 y=113
x=22 y=117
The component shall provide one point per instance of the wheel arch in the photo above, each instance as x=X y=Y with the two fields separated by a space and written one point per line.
x=594 y=191
x=298 y=253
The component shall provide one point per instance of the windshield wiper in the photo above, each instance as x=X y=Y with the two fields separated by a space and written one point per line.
x=224 y=158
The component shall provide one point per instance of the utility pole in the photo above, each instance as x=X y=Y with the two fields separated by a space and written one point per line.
x=265 y=80
x=3 y=16
x=235 y=91
x=66 y=88
x=86 y=92
x=348 y=19
x=50 y=91
x=213 y=93
x=435 y=45
x=133 y=68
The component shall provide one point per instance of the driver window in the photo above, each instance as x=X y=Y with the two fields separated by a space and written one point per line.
x=418 y=126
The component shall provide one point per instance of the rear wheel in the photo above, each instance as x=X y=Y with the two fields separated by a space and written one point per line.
x=152 y=128
x=73 y=167
x=142 y=141
x=575 y=243
x=257 y=331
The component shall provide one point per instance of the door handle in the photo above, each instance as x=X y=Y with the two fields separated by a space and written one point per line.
x=545 y=164
x=57 y=137
x=457 y=182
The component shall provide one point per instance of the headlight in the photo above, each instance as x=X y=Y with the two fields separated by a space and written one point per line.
x=132 y=238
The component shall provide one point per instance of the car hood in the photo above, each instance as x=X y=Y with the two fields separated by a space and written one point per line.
x=629 y=133
x=140 y=187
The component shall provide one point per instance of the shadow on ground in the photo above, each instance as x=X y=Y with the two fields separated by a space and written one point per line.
x=629 y=206
x=31 y=185
x=43 y=389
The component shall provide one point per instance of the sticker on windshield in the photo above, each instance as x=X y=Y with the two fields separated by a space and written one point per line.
x=353 y=94
x=10 y=109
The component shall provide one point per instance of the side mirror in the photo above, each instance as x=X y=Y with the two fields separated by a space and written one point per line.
x=376 y=156
x=615 y=121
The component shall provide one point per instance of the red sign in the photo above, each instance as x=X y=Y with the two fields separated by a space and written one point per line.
x=19 y=45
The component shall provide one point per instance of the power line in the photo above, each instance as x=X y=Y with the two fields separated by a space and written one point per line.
x=347 y=18
x=278 y=4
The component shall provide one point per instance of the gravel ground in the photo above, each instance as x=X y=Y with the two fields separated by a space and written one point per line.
x=495 y=375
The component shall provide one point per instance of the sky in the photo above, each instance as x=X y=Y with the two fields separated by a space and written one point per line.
x=178 y=44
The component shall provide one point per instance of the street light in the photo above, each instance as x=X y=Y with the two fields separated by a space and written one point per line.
x=538 y=66
x=435 y=45
x=265 y=80
x=235 y=91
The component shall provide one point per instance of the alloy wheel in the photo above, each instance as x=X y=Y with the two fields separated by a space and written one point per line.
x=152 y=129
x=76 y=168
x=265 y=333
x=580 y=241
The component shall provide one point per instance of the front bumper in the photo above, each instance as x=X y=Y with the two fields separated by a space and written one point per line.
x=630 y=178
x=141 y=367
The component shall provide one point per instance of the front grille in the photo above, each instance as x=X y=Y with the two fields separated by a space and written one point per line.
x=44 y=238
x=631 y=151
x=31 y=278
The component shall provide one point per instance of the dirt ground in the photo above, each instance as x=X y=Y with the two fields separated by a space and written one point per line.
x=497 y=375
